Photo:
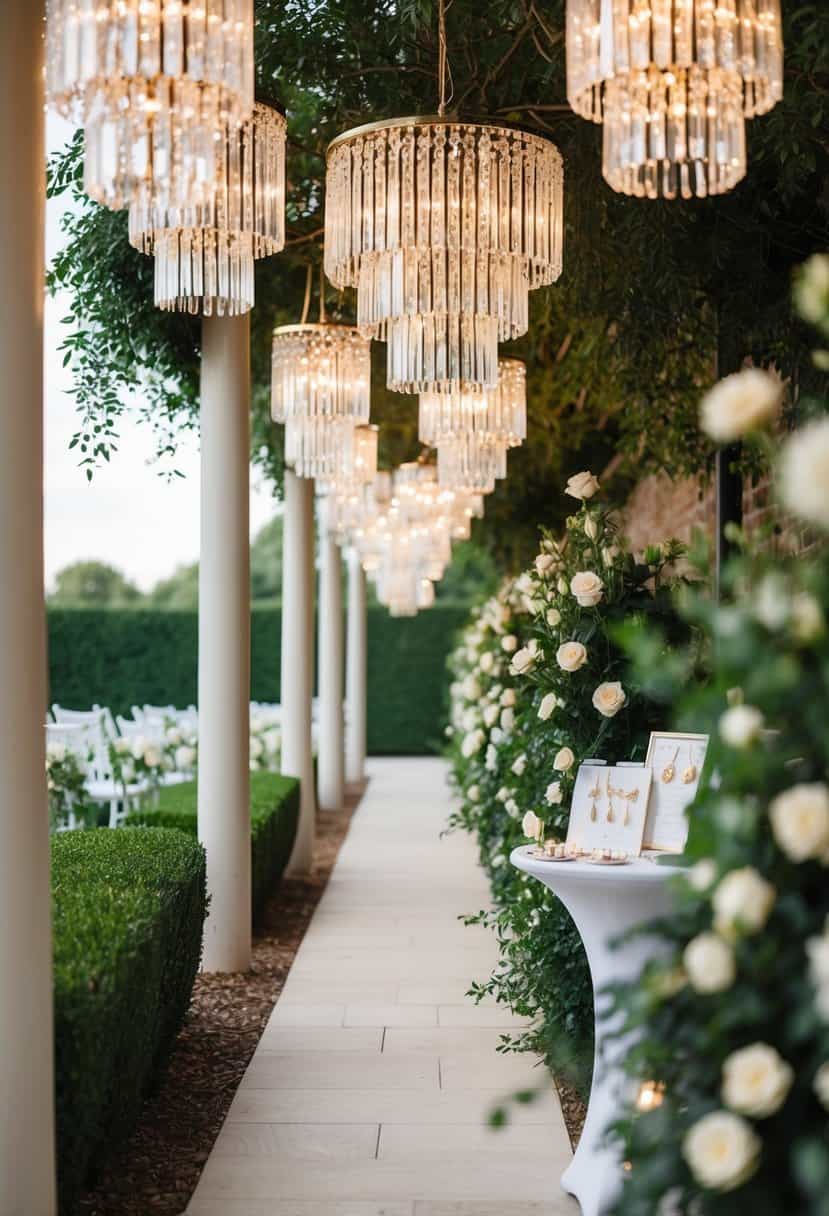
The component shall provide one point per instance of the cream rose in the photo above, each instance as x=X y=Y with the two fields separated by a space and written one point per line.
x=807 y=619
x=811 y=290
x=544 y=563
x=582 y=485
x=474 y=793
x=741 y=403
x=756 y=1081
x=519 y=764
x=722 y=1151
x=507 y=720
x=821 y=1085
x=591 y=528
x=185 y=758
x=508 y=697
x=56 y=752
x=587 y=588
x=491 y=758
x=491 y=713
x=472 y=743
x=609 y=698
x=570 y=656
x=532 y=826
x=511 y=807
x=487 y=661
x=741 y=725
x=702 y=874
x=709 y=963
x=509 y=643
x=804 y=473
x=800 y=821
x=552 y=794
x=742 y=902
x=553 y=617
x=502 y=794
x=548 y=703
x=564 y=760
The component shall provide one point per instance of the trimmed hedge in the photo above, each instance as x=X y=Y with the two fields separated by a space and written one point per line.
x=125 y=657
x=128 y=911
x=274 y=812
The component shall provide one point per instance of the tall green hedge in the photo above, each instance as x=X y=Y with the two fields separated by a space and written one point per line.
x=274 y=813
x=123 y=657
x=128 y=910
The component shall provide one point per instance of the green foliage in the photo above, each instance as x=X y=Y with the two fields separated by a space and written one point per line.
x=274 y=812
x=128 y=909
x=618 y=349
x=471 y=575
x=93 y=584
x=142 y=656
x=523 y=719
x=179 y=591
x=266 y=561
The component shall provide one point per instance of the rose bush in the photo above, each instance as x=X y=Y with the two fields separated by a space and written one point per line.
x=538 y=685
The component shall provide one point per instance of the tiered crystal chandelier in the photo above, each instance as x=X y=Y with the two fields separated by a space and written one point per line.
x=354 y=461
x=673 y=81
x=154 y=83
x=443 y=225
x=204 y=251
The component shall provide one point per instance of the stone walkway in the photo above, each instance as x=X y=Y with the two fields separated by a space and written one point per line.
x=369 y=1091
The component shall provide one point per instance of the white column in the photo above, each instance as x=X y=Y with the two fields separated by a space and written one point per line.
x=297 y=673
x=356 y=673
x=27 y=1152
x=224 y=640
x=331 y=760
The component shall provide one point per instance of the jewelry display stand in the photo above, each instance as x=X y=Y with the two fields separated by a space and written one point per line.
x=604 y=903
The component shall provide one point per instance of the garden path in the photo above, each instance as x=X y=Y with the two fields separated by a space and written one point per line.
x=369 y=1092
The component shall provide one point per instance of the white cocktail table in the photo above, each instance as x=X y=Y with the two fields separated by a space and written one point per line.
x=604 y=901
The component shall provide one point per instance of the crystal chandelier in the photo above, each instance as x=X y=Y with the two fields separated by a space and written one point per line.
x=153 y=82
x=673 y=81
x=499 y=413
x=204 y=252
x=471 y=464
x=353 y=460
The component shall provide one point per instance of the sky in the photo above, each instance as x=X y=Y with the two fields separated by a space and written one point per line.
x=127 y=515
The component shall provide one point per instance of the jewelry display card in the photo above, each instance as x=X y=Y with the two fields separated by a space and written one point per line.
x=609 y=808
x=675 y=762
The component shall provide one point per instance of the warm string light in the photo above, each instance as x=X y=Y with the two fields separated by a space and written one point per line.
x=673 y=81
x=444 y=227
x=154 y=83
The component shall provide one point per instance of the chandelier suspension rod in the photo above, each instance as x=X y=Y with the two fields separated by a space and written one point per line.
x=444 y=70
x=306 y=303
x=323 y=316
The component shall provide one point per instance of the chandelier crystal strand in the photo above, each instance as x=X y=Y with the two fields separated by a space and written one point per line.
x=499 y=413
x=443 y=226
x=673 y=81
x=153 y=82
x=471 y=464
x=320 y=371
x=204 y=252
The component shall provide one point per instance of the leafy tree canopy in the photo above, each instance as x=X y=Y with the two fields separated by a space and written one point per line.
x=93 y=584
x=618 y=351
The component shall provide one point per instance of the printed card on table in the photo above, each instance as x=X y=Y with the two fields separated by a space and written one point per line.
x=609 y=808
x=675 y=762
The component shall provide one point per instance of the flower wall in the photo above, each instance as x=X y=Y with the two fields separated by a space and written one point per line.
x=540 y=683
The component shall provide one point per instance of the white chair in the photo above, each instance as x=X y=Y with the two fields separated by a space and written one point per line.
x=101 y=784
x=72 y=736
x=160 y=711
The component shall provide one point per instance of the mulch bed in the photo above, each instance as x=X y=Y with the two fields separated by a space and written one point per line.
x=573 y=1109
x=156 y=1170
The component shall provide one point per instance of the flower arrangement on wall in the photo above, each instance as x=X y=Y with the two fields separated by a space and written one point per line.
x=539 y=685
x=735 y=1024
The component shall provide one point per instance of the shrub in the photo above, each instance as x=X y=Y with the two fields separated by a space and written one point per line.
x=274 y=811
x=128 y=910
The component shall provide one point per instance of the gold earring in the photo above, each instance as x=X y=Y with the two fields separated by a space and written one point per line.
x=610 y=814
x=690 y=773
x=669 y=771
x=593 y=811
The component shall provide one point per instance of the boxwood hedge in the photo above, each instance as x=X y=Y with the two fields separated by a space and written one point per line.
x=128 y=910
x=129 y=656
x=274 y=811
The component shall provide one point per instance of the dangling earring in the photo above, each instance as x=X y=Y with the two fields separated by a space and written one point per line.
x=669 y=771
x=610 y=814
x=593 y=811
x=690 y=773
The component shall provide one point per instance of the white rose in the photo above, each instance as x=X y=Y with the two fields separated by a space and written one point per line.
x=709 y=963
x=821 y=1085
x=511 y=807
x=470 y=719
x=123 y=747
x=570 y=656
x=721 y=1150
x=742 y=402
x=582 y=485
x=474 y=793
x=800 y=821
x=804 y=473
x=56 y=752
x=491 y=759
x=609 y=698
x=756 y=1080
x=548 y=703
x=531 y=825
x=502 y=794
x=519 y=764
x=740 y=725
x=138 y=746
x=185 y=758
x=770 y=602
x=508 y=697
x=152 y=757
x=817 y=948
x=742 y=902
x=496 y=735
x=491 y=715
x=807 y=620
x=507 y=720
x=471 y=689
x=544 y=563
x=812 y=289
x=564 y=760
x=173 y=735
x=591 y=528
x=522 y=661
x=702 y=874
x=487 y=662
x=552 y=794
x=509 y=643
x=587 y=587
x=471 y=743
x=553 y=617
